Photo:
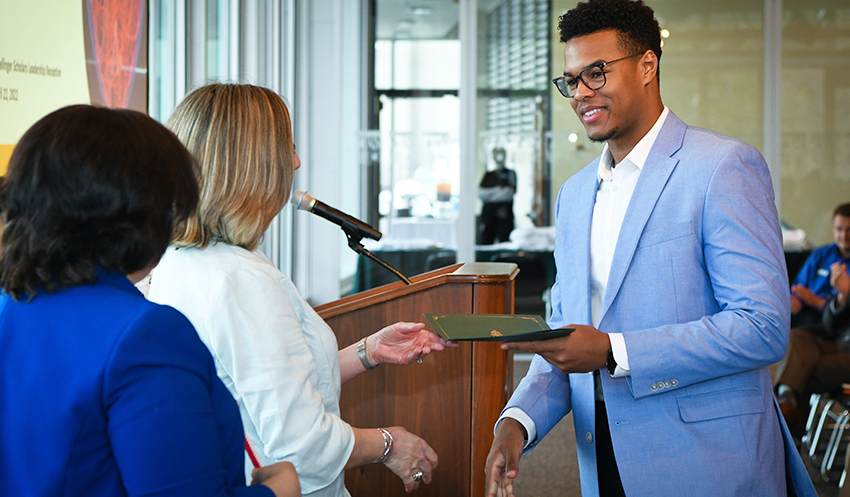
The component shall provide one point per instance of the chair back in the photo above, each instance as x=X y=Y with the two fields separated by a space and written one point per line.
x=530 y=284
x=440 y=259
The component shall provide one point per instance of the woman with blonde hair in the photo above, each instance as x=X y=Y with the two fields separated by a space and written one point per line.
x=275 y=354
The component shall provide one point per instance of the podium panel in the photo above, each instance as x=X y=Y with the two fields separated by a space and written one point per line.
x=452 y=399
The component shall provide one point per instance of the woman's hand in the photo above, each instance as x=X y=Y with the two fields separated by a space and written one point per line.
x=280 y=477
x=410 y=455
x=403 y=343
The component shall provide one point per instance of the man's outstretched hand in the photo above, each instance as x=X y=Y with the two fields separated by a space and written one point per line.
x=503 y=461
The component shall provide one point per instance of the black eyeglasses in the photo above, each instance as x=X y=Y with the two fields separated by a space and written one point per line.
x=593 y=77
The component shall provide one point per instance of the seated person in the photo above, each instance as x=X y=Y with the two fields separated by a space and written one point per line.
x=811 y=290
x=818 y=359
x=276 y=355
x=103 y=392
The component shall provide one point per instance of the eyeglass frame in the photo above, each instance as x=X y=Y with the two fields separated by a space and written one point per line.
x=577 y=78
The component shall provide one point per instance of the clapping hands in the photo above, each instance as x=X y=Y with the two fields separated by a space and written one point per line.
x=839 y=280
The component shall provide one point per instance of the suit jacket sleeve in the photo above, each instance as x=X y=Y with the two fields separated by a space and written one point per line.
x=721 y=299
x=174 y=428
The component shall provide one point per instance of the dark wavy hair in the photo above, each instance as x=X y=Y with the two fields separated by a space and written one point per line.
x=90 y=188
x=842 y=210
x=633 y=20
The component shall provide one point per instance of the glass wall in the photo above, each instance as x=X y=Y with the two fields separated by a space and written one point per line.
x=166 y=66
x=197 y=41
x=417 y=84
x=514 y=112
x=416 y=79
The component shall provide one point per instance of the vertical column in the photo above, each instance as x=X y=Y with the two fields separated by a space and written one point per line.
x=195 y=45
x=773 y=94
x=465 y=224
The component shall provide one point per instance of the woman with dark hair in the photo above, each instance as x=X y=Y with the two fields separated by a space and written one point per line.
x=103 y=392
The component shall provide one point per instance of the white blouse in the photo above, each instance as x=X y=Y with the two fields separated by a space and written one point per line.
x=273 y=352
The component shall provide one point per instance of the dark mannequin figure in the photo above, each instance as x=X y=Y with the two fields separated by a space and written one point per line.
x=497 y=191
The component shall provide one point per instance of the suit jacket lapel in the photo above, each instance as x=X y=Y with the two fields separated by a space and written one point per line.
x=584 y=217
x=572 y=250
x=653 y=177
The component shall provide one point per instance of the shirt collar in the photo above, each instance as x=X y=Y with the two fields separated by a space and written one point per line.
x=638 y=154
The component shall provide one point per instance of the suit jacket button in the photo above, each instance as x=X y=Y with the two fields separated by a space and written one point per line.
x=674 y=382
x=589 y=437
x=653 y=387
x=667 y=383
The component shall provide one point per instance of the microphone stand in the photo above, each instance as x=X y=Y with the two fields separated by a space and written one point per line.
x=354 y=237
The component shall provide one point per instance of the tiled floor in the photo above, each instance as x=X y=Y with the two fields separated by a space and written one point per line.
x=551 y=469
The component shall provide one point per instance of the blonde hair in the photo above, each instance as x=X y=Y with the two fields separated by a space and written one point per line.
x=241 y=138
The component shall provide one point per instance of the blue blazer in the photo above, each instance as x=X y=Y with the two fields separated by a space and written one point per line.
x=106 y=394
x=698 y=288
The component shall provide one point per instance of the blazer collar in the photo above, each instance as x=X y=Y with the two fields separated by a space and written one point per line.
x=115 y=279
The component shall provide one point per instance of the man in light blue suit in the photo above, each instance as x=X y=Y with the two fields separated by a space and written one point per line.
x=671 y=270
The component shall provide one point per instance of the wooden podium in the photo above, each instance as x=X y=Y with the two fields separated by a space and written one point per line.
x=453 y=399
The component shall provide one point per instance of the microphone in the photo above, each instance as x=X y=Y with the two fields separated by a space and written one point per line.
x=351 y=225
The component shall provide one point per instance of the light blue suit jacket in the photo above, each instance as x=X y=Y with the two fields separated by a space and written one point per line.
x=699 y=290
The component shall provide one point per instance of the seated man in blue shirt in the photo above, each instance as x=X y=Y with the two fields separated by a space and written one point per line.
x=818 y=357
x=811 y=290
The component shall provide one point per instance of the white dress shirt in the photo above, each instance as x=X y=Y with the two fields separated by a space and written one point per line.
x=614 y=192
x=275 y=355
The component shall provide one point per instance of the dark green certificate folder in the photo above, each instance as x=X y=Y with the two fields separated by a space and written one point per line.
x=493 y=327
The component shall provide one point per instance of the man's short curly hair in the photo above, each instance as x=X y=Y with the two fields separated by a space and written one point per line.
x=634 y=20
x=90 y=189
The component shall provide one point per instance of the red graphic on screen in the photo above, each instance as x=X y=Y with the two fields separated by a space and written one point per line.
x=115 y=26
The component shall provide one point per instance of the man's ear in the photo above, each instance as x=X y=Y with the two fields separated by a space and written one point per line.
x=649 y=66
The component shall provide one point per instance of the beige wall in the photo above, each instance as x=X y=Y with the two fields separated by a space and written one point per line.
x=815 y=113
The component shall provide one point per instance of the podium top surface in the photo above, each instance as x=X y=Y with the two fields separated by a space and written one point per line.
x=471 y=272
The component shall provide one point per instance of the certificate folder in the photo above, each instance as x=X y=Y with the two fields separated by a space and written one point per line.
x=493 y=327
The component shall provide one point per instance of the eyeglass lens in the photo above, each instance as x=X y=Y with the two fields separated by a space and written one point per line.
x=593 y=77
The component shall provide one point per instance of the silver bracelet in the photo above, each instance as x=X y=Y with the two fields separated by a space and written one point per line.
x=361 y=353
x=388 y=445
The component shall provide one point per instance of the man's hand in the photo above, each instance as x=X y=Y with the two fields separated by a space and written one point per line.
x=582 y=351
x=796 y=304
x=503 y=461
x=808 y=297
